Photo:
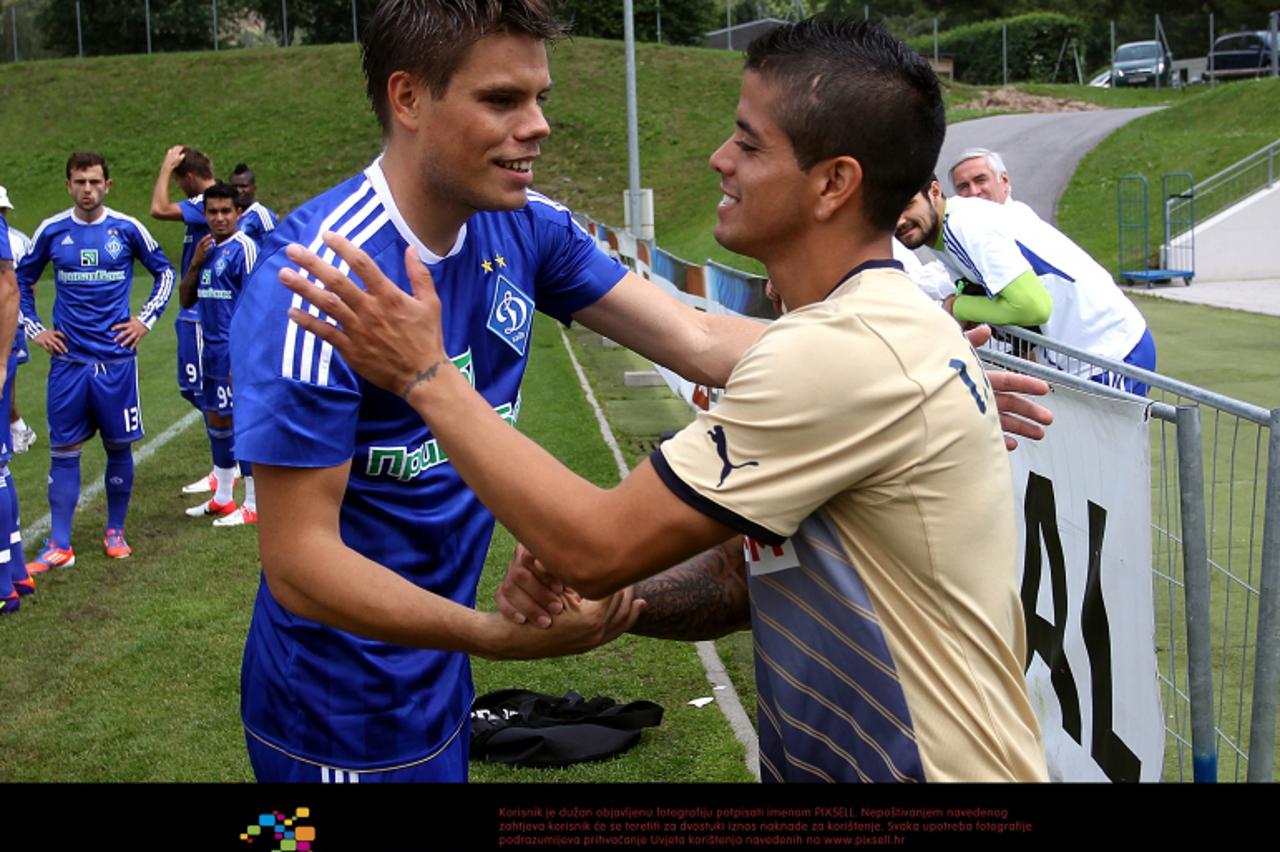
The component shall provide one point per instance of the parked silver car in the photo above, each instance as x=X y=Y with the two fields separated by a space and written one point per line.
x=1141 y=63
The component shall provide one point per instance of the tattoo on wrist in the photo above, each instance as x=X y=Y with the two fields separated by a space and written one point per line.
x=423 y=376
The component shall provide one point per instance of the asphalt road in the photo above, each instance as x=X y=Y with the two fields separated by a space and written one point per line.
x=1041 y=150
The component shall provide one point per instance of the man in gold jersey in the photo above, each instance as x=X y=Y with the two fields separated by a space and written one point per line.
x=856 y=441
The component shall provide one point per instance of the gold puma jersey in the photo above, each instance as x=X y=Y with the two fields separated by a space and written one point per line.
x=858 y=444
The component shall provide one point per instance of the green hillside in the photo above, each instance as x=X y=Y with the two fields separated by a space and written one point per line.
x=1202 y=134
x=299 y=117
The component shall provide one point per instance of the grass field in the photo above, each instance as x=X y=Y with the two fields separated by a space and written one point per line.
x=129 y=670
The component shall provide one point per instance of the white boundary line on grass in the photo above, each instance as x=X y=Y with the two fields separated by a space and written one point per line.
x=726 y=696
x=41 y=524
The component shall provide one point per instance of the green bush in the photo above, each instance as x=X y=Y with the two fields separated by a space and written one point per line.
x=1035 y=41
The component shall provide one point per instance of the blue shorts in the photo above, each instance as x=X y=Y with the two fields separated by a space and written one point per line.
x=20 y=346
x=1144 y=356
x=93 y=397
x=190 y=349
x=449 y=765
x=217 y=395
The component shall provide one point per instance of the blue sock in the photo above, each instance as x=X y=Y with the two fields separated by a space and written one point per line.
x=119 y=483
x=16 y=557
x=222 y=444
x=246 y=469
x=64 y=492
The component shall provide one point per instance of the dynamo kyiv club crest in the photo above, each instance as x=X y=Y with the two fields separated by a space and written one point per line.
x=114 y=246
x=511 y=316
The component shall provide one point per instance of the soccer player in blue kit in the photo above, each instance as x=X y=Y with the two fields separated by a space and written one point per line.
x=220 y=266
x=355 y=666
x=13 y=583
x=192 y=170
x=256 y=219
x=93 y=370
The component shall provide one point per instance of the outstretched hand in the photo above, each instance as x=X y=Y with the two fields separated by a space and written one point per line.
x=391 y=338
x=1018 y=415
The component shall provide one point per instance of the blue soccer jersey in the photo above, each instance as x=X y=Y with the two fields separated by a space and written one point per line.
x=196 y=228
x=6 y=253
x=257 y=222
x=93 y=273
x=222 y=280
x=317 y=692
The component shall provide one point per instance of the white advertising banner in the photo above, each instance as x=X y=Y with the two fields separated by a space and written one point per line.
x=1084 y=495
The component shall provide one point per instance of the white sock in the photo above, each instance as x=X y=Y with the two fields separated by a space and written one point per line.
x=224 y=477
x=250 y=495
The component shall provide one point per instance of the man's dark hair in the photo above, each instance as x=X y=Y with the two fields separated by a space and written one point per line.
x=242 y=169
x=429 y=38
x=220 y=189
x=81 y=160
x=933 y=178
x=848 y=88
x=194 y=162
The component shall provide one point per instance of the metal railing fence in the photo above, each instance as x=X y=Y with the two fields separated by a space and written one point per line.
x=1215 y=563
x=1238 y=181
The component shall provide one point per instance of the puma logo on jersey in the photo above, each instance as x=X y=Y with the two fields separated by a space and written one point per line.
x=722 y=449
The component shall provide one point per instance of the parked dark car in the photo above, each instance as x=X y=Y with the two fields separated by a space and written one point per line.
x=1238 y=55
x=1141 y=63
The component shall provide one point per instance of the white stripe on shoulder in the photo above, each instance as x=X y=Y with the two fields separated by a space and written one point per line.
x=326 y=348
x=52 y=220
x=249 y=247
x=364 y=192
x=264 y=216
x=328 y=256
x=539 y=198
x=147 y=240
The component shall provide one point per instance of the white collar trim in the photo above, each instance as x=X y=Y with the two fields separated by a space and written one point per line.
x=79 y=221
x=378 y=181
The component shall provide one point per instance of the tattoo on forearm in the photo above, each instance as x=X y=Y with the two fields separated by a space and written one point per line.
x=423 y=376
x=704 y=598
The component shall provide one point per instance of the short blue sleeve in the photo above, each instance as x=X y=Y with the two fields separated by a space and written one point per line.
x=297 y=402
x=192 y=211
x=573 y=273
x=5 y=252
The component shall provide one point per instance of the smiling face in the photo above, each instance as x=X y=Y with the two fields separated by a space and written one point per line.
x=88 y=187
x=246 y=189
x=476 y=145
x=976 y=177
x=765 y=193
x=922 y=220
